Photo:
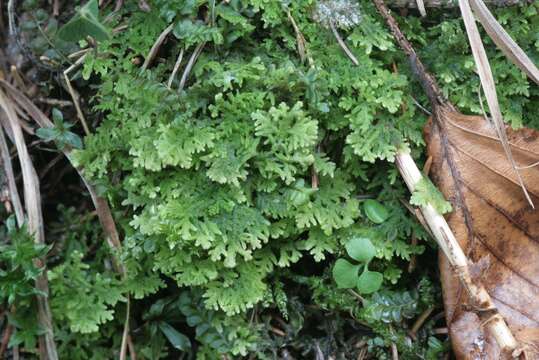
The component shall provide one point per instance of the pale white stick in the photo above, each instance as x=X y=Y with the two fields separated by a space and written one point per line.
x=421 y=8
x=452 y=250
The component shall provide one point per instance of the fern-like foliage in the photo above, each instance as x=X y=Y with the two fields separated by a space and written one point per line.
x=219 y=179
x=82 y=297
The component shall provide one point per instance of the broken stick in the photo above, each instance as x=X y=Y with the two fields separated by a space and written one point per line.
x=448 y=243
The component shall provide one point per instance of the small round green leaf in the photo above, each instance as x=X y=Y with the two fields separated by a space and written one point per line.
x=369 y=282
x=375 y=211
x=360 y=249
x=345 y=274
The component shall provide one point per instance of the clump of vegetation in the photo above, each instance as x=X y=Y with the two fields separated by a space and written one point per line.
x=254 y=190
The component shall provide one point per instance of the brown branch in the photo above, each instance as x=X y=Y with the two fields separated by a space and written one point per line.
x=420 y=321
x=427 y=80
x=5 y=340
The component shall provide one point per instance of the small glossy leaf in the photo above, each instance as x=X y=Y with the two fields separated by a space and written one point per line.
x=345 y=274
x=299 y=194
x=90 y=9
x=176 y=338
x=360 y=249
x=375 y=211
x=80 y=27
x=184 y=28
x=156 y=309
x=72 y=139
x=369 y=282
x=57 y=115
x=84 y=23
x=188 y=8
x=11 y=224
x=47 y=134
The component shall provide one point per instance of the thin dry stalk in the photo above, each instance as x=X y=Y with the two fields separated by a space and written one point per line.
x=56 y=8
x=428 y=82
x=2 y=25
x=101 y=205
x=32 y=199
x=18 y=78
x=5 y=340
x=300 y=40
x=132 y=352
x=445 y=238
x=50 y=165
x=487 y=82
x=54 y=102
x=11 y=16
x=75 y=95
x=77 y=54
x=156 y=46
x=103 y=210
x=394 y=352
x=420 y=321
x=503 y=40
x=8 y=171
x=441 y=331
x=125 y=335
x=342 y=44
x=413 y=259
x=190 y=64
x=362 y=354
x=176 y=68
x=118 y=6
x=421 y=7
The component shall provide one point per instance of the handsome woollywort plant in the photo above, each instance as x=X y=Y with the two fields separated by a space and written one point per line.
x=248 y=163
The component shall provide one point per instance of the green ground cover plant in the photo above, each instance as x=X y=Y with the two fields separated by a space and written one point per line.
x=260 y=214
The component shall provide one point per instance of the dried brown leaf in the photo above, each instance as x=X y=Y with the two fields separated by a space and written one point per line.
x=492 y=220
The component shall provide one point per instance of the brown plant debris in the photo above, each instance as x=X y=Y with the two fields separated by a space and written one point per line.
x=492 y=220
